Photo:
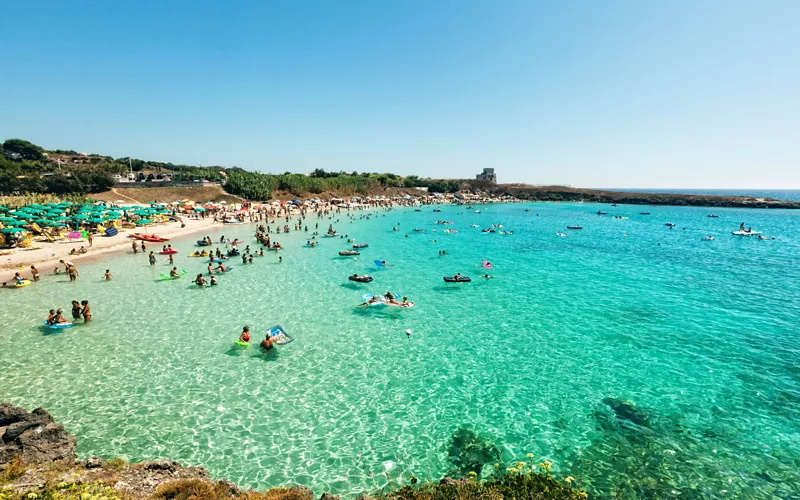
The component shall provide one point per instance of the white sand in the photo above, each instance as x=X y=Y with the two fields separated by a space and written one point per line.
x=46 y=257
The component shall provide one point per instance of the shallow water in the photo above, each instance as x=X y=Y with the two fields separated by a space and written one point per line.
x=636 y=367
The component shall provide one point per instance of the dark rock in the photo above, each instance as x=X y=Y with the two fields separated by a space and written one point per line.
x=228 y=488
x=449 y=481
x=34 y=437
x=328 y=496
x=168 y=465
x=92 y=463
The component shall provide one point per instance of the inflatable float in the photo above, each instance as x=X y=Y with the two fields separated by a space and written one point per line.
x=148 y=237
x=202 y=243
x=242 y=343
x=199 y=254
x=360 y=279
x=21 y=284
x=360 y=245
x=460 y=279
x=227 y=270
x=347 y=253
x=168 y=277
x=279 y=335
x=168 y=251
x=57 y=326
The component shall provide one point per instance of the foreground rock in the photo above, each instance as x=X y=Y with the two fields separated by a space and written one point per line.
x=35 y=452
x=34 y=437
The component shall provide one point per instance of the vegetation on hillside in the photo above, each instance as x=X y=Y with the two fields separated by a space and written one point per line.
x=28 y=168
x=258 y=186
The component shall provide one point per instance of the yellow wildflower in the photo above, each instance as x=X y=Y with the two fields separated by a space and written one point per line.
x=530 y=455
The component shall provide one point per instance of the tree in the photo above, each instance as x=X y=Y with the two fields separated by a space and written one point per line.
x=27 y=150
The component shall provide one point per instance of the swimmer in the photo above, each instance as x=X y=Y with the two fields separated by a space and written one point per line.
x=245 y=336
x=86 y=312
x=107 y=275
x=76 y=310
x=199 y=280
x=266 y=344
x=173 y=273
x=486 y=276
x=59 y=317
x=51 y=318
x=213 y=281
x=221 y=267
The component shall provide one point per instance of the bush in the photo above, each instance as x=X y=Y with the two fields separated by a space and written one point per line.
x=523 y=481
x=191 y=489
x=14 y=470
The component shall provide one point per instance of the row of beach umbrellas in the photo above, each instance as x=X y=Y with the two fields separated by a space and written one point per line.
x=62 y=214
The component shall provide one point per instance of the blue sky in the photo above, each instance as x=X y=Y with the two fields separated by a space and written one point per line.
x=682 y=94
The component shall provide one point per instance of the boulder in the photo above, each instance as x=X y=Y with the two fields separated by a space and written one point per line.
x=33 y=436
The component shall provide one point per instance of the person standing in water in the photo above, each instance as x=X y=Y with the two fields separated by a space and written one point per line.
x=245 y=336
x=266 y=344
x=152 y=258
x=86 y=312
x=34 y=274
x=76 y=310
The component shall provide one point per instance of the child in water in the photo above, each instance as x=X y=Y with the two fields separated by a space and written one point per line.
x=107 y=275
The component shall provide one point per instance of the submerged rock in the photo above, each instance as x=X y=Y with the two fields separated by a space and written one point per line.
x=469 y=452
x=625 y=411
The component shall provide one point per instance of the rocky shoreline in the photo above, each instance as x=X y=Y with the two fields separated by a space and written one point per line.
x=38 y=462
x=35 y=452
x=568 y=194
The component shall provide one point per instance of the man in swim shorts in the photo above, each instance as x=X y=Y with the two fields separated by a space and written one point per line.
x=266 y=344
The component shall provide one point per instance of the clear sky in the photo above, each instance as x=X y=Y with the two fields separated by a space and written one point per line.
x=591 y=93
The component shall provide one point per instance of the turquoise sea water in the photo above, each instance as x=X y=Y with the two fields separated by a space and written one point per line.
x=641 y=369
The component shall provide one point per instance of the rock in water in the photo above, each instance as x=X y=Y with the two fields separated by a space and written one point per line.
x=33 y=436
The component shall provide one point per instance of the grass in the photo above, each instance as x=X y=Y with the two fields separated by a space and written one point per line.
x=13 y=471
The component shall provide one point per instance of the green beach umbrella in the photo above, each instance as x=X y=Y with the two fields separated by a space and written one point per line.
x=80 y=217
x=142 y=222
x=8 y=219
x=97 y=220
x=12 y=230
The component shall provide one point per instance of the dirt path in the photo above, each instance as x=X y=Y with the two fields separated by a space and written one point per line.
x=122 y=196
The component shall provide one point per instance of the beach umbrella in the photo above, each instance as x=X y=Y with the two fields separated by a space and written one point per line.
x=8 y=219
x=52 y=223
x=113 y=215
x=97 y=220
x=12 y=230
x=40 y=221
x=142 y=222
x=199 y=209
x=80 y=217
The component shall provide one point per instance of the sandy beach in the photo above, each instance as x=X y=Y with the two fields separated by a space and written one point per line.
x=46 y=254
